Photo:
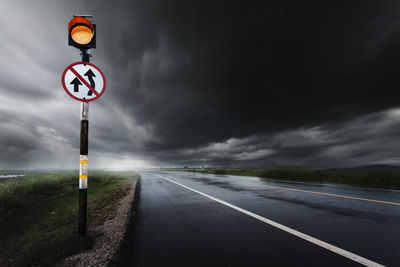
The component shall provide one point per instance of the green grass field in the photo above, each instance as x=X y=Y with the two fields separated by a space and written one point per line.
x=39 y=213
x=380 y=177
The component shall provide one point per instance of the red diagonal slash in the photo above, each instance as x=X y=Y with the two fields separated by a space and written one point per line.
x=83 y=80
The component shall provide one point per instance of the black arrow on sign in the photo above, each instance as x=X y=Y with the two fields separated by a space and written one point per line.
x=76 y=82
x=90 y=75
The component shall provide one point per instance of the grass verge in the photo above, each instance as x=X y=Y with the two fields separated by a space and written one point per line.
x=379 y=178
x=39 y=213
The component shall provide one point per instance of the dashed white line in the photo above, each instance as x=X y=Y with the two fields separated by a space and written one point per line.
x=308 y=238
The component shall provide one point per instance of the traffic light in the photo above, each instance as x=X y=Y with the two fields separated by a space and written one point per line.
x=81 y=33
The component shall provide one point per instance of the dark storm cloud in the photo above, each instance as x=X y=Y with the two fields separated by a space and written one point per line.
x=197 y=74
x=226 y=83
x=211 y=71
x=369 y=139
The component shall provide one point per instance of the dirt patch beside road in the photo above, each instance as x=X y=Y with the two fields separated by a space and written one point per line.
x=110 y=234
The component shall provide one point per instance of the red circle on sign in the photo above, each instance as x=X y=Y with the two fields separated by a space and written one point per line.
x=76 y=98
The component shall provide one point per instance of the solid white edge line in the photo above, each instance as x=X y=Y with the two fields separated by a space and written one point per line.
x=308 y=238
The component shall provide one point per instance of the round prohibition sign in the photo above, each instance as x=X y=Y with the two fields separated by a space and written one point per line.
x=83 y=81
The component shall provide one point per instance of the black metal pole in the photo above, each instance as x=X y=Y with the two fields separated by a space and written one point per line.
x=83 y=163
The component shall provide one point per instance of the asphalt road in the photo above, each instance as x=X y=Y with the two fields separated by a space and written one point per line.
x=192 y=219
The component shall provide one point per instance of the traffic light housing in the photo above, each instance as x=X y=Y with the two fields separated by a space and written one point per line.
x=81 y=33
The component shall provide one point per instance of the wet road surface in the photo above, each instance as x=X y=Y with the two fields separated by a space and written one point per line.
x=193 y=219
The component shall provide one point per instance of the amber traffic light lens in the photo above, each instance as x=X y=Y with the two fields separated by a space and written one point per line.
x=81 y=34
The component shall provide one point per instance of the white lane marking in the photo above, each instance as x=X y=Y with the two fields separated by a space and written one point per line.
x=308 y=238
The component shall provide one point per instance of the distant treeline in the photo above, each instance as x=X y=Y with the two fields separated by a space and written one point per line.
x=383 y=178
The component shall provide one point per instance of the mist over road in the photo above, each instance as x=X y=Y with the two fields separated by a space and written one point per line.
x=193 y=219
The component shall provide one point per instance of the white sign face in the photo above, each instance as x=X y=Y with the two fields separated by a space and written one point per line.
x=83 y=81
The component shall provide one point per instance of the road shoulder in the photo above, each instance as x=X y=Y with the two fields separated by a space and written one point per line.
x=125 y=250
x=108 y=242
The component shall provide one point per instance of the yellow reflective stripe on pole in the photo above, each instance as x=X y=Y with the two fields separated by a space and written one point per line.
x=83 y=176
x=83 y=161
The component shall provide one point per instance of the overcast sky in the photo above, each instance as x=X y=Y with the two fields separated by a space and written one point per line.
x=219 y=83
